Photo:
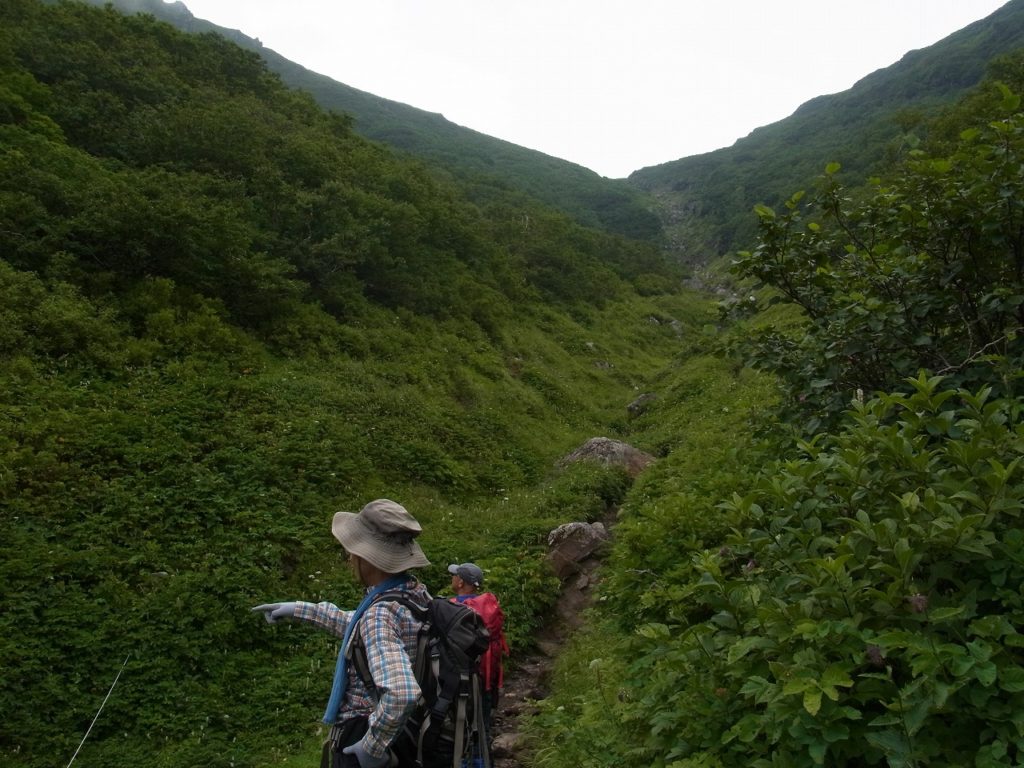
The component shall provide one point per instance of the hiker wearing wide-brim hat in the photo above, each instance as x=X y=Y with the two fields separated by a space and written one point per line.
x=383 y=534
x=367 y=717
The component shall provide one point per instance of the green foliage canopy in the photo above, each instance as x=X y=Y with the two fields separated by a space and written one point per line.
x=868 y=611
x=926 y=273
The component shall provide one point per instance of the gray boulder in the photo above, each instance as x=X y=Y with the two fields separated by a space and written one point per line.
x=610 y=453
x=572 y=548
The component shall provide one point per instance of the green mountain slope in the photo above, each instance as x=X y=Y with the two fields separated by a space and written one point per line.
x=490 y=166
x=706 y=200
x=225 y=315
x=701 y=204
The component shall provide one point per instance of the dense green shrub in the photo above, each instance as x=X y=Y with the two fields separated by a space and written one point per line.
x=869 y=613
x=926 y=273
x=864 y=610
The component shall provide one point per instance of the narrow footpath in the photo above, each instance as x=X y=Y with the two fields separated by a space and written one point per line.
x=527 y=678
x=575 y=552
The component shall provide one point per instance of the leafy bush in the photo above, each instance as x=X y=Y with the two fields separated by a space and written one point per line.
x=869 y=612
x=926 y=273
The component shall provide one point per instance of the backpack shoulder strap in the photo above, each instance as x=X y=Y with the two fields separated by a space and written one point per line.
x=356 y=651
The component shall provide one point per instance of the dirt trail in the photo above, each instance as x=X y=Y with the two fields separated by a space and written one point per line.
x=528 y=680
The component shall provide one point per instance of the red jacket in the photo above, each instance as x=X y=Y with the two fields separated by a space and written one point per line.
x=491 y=670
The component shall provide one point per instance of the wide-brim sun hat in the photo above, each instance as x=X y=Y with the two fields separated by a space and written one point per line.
x=383 y=533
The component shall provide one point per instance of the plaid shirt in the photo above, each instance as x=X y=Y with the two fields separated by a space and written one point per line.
x=389 y=633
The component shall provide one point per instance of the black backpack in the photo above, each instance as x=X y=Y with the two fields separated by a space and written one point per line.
x=447 y=726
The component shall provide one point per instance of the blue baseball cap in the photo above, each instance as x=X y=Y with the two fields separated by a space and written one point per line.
x=468 y=572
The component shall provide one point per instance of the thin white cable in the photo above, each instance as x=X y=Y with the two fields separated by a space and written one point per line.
x=99 y=710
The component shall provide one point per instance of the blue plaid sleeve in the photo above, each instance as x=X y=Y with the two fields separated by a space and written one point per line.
x=389 y=630
x=324 y=615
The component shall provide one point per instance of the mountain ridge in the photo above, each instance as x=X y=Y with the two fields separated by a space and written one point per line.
x=487 y=162
x=697 y=207
x=705 y=201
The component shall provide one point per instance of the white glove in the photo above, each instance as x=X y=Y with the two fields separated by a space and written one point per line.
x=364 y=757
x=274 y=611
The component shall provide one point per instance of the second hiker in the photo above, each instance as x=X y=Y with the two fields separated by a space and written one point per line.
x=467 y=579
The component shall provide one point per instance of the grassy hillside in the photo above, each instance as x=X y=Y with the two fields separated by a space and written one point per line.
x=706 y=201
x=487 y=166
x=224 y=316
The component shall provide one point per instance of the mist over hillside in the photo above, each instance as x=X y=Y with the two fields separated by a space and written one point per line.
x=699 y=207
x=705 y=202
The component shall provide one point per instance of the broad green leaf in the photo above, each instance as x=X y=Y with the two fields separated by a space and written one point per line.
x=1011 y=100
x=893 y=743
x=980 y=650
x=836 y=732
x=745 y=730
x=944 y=614
x=895 y=639
x=742 y=647
x=836 y=676
x=812 y=701
x=654 y=631
x=798 y=685
x=884 y=720
x=756 y=685
x=817 y=752
x=806 y=628
x=915 y=716
x=986 y=673
x=1011 y=679
x=961 y=665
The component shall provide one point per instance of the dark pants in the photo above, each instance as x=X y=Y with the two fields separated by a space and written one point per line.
x=341 y=736
x=351 y=731
x=490 y=704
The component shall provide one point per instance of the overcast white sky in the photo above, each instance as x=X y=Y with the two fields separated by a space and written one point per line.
x=614 y=85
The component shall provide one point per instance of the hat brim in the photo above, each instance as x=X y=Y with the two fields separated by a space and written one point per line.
x=377 y=549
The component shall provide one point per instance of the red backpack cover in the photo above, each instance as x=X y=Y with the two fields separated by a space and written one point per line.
x=491 y=670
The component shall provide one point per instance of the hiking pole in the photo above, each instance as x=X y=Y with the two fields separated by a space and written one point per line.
x=89 y=730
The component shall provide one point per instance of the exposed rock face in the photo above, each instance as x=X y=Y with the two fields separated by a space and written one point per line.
x=572 y=547
x=611 y=453
x=639 y=405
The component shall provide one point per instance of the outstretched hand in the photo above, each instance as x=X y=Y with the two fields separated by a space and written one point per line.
x=274 y=611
